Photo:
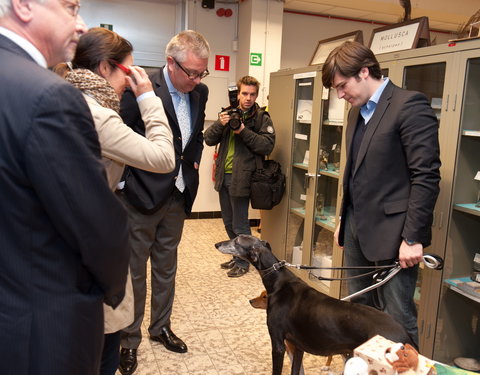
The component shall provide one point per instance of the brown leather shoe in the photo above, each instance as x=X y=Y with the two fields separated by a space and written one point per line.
x=237 y=271
x=170 y=341
x=128 y=361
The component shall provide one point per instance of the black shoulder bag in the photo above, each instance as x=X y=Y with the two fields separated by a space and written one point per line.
x=268 y=181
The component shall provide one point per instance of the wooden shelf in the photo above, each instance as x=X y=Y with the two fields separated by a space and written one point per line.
x=299 y=211
x=471 y=133
x=453 y=285
x=331 y=171
x=300 y=166
x=328 y=220
x=328 y=223
x=469 y=208
x=332 y=123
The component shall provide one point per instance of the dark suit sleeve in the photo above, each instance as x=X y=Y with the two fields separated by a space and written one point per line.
x=201 y=120
x=419 y=134
x=71 y=184
x=214 y=133
x=261 y=143
x=130 y=112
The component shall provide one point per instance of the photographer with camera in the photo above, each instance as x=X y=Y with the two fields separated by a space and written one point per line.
x=244 y=131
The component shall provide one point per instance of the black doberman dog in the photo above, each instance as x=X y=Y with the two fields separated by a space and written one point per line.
x=312 y=321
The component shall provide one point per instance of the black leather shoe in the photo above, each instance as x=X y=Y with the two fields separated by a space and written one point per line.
x=128 y=361
x=170 y=341
x=228 y=265
x=237 y=271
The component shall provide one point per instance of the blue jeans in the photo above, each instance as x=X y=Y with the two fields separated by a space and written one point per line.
x=395 y=297
x=234 y=214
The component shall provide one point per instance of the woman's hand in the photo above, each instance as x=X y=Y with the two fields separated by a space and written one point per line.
x=139 y=81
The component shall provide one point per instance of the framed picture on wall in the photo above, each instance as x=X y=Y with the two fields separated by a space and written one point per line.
x=401 y=36
x=324 y=47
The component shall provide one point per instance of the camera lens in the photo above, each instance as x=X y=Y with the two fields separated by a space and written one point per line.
x=235 y=119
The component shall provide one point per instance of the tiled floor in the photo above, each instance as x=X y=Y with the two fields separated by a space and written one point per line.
x=211 y=313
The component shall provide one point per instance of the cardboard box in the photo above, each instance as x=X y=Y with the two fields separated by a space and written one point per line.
x=373 y=352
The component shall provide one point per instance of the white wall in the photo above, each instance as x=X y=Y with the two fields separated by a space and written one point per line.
x=147 y=24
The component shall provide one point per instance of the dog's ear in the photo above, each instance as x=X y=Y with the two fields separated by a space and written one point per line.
x=266 y=244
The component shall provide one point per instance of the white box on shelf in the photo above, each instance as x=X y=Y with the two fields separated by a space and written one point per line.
x=336 y=108
x=322 y=261
x=297 y=255
x=304 y=110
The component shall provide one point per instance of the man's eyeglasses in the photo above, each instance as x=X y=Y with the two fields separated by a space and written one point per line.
x=128 y=71
x=72 y=8
x=192 y=75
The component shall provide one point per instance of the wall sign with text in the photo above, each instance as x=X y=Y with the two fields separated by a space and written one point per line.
x=401 y=36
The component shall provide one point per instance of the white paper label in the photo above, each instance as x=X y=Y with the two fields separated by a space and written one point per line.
x=325 y=93
x=303 y=137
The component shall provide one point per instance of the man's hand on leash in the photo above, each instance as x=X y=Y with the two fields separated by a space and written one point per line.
x=409 y=255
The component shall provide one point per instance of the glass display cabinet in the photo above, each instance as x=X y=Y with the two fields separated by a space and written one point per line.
x=313 y=155
x=449 y=76
x=458 y=328
x=301 y=137
x=327 y=204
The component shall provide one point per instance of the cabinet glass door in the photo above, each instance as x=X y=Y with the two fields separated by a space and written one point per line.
x=300 y=160
x=428 y=79
x=458 y=328
x=328 y=173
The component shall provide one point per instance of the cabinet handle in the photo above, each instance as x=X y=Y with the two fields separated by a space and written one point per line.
x=440 y=223
x=308 y=176
x=446 y=103
x=454 y=103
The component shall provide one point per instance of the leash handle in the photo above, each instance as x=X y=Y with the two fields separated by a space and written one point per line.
x=432 y=261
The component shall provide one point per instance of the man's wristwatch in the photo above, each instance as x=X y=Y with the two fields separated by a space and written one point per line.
x=410 y=242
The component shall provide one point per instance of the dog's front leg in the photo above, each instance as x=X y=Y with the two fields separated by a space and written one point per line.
x=278 y=353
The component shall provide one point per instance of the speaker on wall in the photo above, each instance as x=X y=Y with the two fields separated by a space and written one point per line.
x=209 y=4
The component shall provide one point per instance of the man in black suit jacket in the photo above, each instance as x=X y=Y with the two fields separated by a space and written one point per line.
x=159 y=203
x=63 y=242
x=391 y=178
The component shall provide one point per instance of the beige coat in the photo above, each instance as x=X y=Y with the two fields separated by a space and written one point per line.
x=122 y=146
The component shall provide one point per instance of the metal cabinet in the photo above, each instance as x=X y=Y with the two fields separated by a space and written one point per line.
x=449 y=75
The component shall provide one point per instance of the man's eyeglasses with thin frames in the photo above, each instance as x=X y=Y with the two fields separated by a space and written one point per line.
x=192 y=75
x=72 y=7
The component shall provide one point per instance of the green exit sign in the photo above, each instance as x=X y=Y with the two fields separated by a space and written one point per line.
x=107 y=26
x=255 y=59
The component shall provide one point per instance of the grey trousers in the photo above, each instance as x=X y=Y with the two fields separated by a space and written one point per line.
x=156 y=236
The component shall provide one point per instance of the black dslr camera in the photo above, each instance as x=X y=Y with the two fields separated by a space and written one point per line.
x=234 y=113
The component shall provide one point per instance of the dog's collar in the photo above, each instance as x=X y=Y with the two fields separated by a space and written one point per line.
x=274 y=268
